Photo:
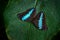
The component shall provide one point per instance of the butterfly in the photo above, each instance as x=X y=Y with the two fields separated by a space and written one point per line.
x=37 y=20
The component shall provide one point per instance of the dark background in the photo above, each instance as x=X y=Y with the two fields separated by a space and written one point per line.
x=3 y=35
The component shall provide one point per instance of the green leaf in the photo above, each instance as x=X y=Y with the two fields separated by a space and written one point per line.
x=19 y=30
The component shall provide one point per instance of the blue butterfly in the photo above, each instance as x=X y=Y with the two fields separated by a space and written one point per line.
x=30 y=16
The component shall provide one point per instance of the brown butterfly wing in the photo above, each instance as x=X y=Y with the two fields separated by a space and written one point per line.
x=20 y=15
x=44 y=22
x=36 y=18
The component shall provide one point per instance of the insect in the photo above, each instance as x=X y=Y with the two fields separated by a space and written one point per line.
x=37 y=20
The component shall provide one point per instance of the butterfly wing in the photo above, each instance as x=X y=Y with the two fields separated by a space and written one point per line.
x=39 y=21
x=28 y=15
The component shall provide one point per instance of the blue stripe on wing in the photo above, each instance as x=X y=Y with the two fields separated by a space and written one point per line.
x=40 y=21
x=25 y=17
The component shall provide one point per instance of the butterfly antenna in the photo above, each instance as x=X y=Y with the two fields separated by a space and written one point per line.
x=35 y=3
x=42 y=5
